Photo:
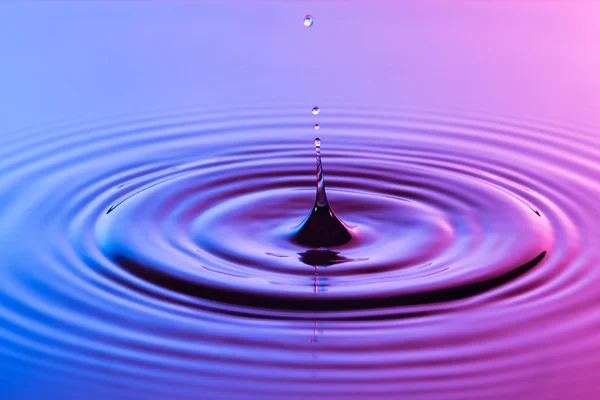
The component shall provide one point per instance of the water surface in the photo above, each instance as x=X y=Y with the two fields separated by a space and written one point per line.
x=152 y=254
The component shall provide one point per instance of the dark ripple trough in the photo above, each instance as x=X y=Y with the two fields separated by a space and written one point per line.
x=154 y=257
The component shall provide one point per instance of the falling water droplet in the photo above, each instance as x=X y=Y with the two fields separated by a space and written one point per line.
x=316 y=110
x=322 y=228
x=308 y=20
x=317 y=127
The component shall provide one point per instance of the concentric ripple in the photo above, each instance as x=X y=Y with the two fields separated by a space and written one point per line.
x=163 y=247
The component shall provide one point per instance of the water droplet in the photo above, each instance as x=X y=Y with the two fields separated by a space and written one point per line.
x=322 y=228
x=308 y=20
x=317 y=127
x=316 y=110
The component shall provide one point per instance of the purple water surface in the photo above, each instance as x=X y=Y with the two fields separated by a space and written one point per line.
x=154 y=254
x=186 y=267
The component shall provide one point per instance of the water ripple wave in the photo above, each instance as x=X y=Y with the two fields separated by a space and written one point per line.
x=153 y=257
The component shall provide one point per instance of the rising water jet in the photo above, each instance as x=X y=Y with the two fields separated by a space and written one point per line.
x=322 y=228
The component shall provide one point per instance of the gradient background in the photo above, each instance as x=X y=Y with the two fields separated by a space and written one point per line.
x=67 y=62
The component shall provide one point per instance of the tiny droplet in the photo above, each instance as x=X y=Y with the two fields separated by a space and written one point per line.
x=308 y=20
x=318 y=142
x=317 y=127
x=316 y=110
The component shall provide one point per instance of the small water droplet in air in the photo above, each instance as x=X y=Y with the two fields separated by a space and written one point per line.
x=308 y=20
x=317 y=127
x=316 y=110
x=317 y=142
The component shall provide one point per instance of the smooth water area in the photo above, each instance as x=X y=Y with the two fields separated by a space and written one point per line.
x=159 y=254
